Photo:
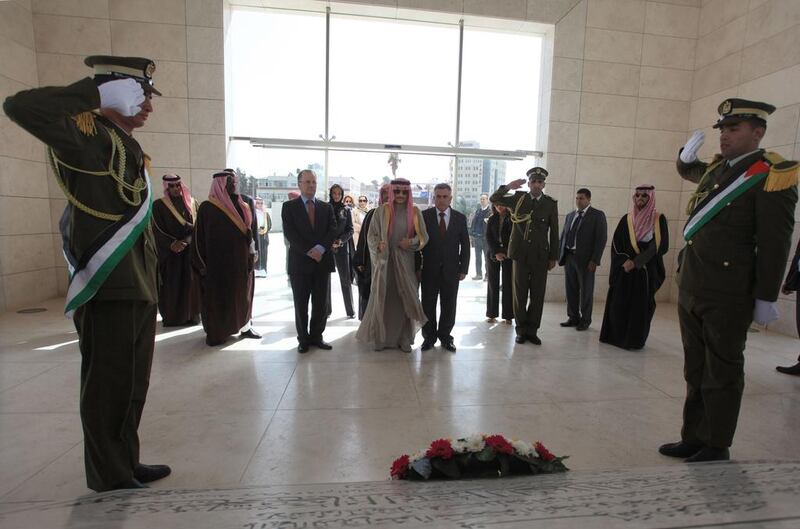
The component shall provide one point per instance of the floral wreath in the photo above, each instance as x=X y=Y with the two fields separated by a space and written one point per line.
x=477 y=456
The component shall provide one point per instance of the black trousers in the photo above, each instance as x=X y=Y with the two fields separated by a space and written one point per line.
x=441 y=287
x=263 y=252
x=501 y=279
x=580 y=290
x=364 y=288
x=116 y=340
x=714 y=334
x=314 y=286
x=478 y=244
x=342 y=260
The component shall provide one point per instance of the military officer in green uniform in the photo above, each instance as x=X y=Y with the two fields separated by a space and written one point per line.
x=533 y=248
x=110 y=251
x=729 y=273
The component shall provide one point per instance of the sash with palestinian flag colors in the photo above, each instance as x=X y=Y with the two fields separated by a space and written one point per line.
x=88 y=274
x=708 y=209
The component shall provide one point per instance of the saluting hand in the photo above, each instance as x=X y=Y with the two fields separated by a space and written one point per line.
x=516 y=184
x=123 y=95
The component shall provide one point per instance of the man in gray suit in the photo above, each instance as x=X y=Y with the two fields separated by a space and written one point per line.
x=583 y=240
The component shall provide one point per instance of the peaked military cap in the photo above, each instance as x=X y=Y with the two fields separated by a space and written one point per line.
x=537 y=173
x=110 y=67
x=735 y=110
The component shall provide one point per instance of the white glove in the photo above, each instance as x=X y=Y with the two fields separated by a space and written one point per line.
x=689 y=152
x=765 y=312
x=123 y=95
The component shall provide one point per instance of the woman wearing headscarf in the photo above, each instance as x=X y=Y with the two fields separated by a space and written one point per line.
x=637 y=272
x=341 y=247
x=396 y=232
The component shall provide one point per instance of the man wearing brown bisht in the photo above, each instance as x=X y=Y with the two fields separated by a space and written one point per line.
x=173 y=227
x=223 y=257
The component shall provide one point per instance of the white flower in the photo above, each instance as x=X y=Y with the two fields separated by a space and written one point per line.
x=522 y=448
x=475 y=442
x=460 y=446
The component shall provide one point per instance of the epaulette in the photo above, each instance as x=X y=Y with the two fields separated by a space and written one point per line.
x=85 y=123
x=782 y=173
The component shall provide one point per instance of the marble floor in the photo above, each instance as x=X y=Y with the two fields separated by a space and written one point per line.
x=255 y=413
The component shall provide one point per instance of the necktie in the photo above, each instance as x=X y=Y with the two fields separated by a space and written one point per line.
x=310 y=207
x=573 y=231
x=442 y=225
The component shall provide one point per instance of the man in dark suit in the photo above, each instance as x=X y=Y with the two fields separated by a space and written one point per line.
x=310 y=227
x=443 y=263
x=583 y=240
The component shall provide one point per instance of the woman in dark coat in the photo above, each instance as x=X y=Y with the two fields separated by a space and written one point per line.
x=499 y=266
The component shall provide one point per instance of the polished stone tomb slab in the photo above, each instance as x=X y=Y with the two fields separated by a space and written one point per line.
x=758 y=494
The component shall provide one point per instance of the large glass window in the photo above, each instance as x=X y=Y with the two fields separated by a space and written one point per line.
x=393 y=81
x=277 y=74
x=350 y=86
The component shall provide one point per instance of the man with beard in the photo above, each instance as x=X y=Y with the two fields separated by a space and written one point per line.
x=173 y=220
x=224 y=256
x=394 y=312
x=637 y=272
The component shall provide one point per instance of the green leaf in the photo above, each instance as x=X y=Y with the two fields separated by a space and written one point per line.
x=505 y=468
x=448 y=467
x=422 y=467
x=487 y=454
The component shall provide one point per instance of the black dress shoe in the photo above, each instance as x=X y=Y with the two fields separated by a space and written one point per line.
x=569 y=323
x=250 y=333
x=427 y=345
x=302 y=348
x=534 y=339
x=132 y=483
x=582 y=326
x=322 y=344
x=449 y=345
x=214 y=343
x=791 y=370
x=148 y=473
x=710 y=453
x=519 y=339
x=680 y=449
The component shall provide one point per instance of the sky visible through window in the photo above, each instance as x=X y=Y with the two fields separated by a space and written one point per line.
x=391 y=81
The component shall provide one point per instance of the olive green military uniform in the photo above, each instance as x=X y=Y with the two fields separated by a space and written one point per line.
x=738 y=256
x=534 y=242
x=116 y=327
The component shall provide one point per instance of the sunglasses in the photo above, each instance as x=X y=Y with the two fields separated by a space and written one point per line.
x=641 y=195
x=400 y=192
x=173 y=185
x=362 y=200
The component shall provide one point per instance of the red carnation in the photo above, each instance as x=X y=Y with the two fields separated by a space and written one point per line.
x=400 y=467
x=499 y=444
x=440 y=448
x=544 y=453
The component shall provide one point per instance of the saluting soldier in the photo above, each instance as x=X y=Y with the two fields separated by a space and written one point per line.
x=533 y=248
x=729 y=273
x=110 y=251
